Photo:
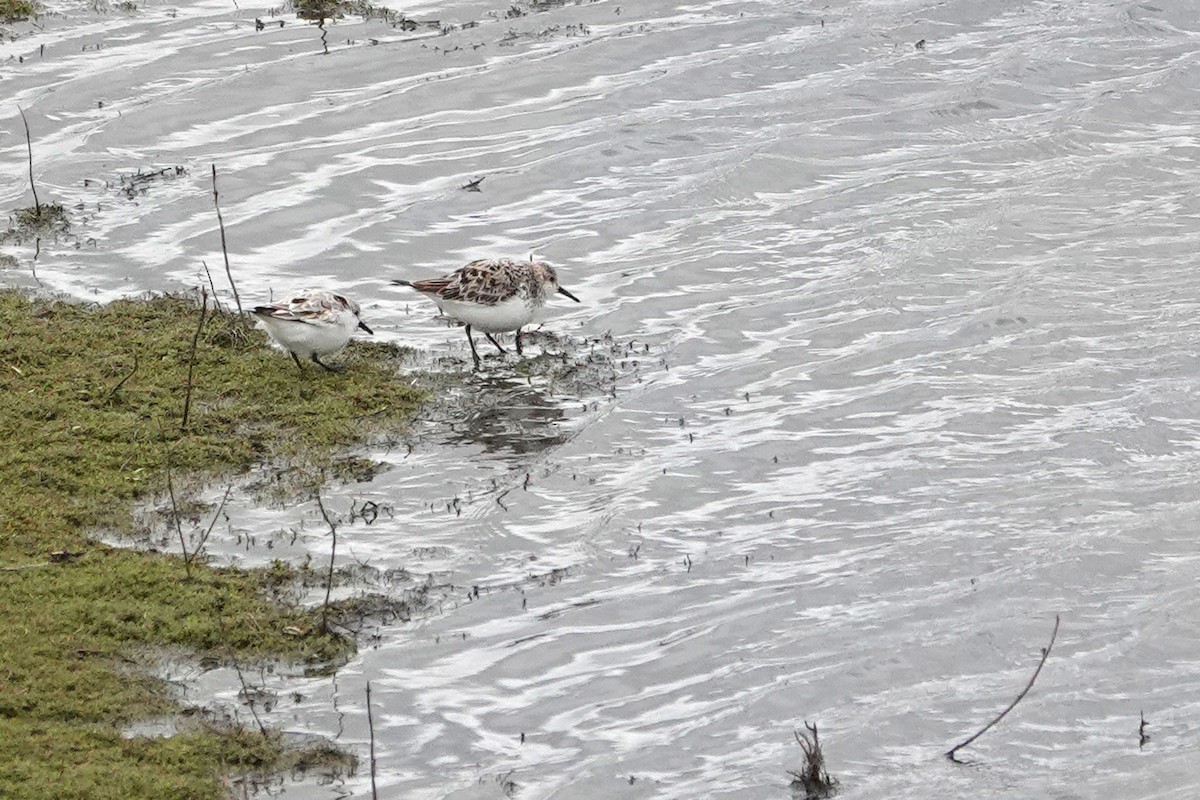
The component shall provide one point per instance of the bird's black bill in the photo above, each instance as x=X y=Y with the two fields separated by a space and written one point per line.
x=561 y=290
x=363 y=325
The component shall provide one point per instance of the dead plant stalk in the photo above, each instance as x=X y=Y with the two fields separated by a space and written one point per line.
x=224 y=249
x=37 y=206
x=187 y=400
x=371 y=728
x=1045 y=654
x=332 y=557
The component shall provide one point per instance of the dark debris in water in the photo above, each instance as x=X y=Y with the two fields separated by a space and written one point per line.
x=135 y=184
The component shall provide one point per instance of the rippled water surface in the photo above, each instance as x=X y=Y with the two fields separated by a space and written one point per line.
x=902 y=364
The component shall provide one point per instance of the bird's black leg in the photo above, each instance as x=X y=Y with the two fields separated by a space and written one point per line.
x=474 y=352
x=296 y=358
x=519 y=350
x=321 y=363
x=492 y=339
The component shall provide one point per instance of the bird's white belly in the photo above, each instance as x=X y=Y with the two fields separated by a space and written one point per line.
x=304 y=339
x=507 y=315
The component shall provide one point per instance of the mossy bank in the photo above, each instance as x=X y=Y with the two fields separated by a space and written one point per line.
x=18 y=10
x=91 y=412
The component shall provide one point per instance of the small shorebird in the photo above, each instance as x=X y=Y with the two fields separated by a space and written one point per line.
x=312 y=324
x=493 y=296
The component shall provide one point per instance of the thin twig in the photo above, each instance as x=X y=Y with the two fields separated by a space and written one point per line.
x=249 y=699
x=224 y=249
x=1045 y=654
x=37 y=206
x=211 y=286
x=211 y=525
x=112 y=393
x=332 y=555
x=37 y=249
x=187 y=562
x=371 y=727
x=187 y=400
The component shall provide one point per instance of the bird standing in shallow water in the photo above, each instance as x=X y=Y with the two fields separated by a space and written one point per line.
x=493 y=296
x=312 y=324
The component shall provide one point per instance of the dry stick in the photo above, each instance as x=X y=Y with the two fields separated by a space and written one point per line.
x=187 y=562
x=224 y=249
x=332 y=555
x=249 y=700
x=1045 y=654
x=211 y=525
x=187 y=400
x=112 y=393
x=211 y=286
x=371 y=727
x=37 y=207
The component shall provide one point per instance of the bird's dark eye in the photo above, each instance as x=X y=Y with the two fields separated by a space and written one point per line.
x=342 y=300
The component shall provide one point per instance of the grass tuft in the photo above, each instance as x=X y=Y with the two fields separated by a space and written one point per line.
x=44 y=220
x=77 y=447
x=18 y=10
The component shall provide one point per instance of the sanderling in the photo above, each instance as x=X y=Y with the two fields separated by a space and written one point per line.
x=494 y=296
x=312 y=324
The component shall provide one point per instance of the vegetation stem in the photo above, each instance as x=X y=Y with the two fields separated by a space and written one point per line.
x=187 y=400
x=371 y=728
x=332 y=556
x=29 y=146
x=1045 y=654
x=224 y=250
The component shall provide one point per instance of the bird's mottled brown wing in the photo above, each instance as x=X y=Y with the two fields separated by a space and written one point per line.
x=483 y=281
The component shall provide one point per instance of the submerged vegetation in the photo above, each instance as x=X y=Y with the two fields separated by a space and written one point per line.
x=812 y=781
x=46 y=219
x=91 y=419
x=336 y=9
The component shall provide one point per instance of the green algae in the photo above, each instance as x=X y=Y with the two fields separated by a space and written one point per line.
x=91 y=404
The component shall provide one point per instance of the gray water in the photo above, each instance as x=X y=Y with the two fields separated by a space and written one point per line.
x=922 y=332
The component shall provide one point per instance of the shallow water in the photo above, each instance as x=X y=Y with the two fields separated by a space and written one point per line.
x=917 y=370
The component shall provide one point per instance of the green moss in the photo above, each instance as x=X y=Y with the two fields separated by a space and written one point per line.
x=17 y=10
x=95 y=761
x=75 y=452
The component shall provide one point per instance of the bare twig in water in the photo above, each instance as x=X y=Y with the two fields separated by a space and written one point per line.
x=37 y=249
x=249 y=697
x=332 y=555
x=814 y=778
x=1143 y=737
x=1045 y=654
x=187 y=400
x=187 y=562
x=211 y=525
x=224 y=250
x=112 y=393
x=371 y=728
x=473 y=186
x=37 y=206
